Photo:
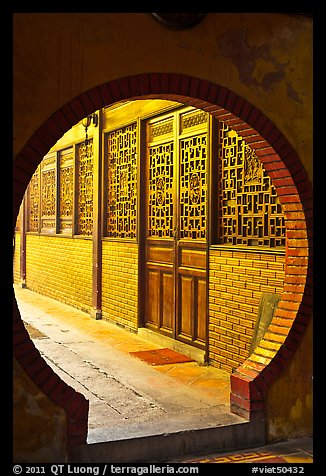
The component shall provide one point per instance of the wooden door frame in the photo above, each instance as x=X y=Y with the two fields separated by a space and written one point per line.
x=212 y=148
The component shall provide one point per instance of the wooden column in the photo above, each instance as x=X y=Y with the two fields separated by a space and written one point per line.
x=23 y=224
x=96 y=311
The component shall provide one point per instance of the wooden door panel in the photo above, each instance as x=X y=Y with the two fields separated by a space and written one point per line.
x=200 y=321
x=160 y=312
x=153 y=299
x=176 y=230
x=192 y=307
x=160 y=300
x=185 y=307
x=192 y=258
x=160 y=254
x=167 y=304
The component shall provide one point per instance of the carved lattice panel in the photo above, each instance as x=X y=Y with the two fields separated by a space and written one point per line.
x=66 y=194
x=85 y=189
x=193 y=120
x=34 y=201
x=249 y=209
x=19 y=219
x=122 y=182
x=160 y=191
x=48 y=194
x=193 y=187
x=160 y=130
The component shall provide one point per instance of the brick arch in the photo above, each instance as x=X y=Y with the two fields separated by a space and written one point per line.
x=250 y=381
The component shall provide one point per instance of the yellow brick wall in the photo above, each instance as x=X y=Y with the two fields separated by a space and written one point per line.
x=16 y=260
x=120 y=283
x=237 y=281
x=60 y=268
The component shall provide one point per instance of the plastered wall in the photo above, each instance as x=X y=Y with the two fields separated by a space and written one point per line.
x=265 y=58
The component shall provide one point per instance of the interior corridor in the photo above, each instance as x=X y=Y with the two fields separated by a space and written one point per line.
x=127 y=396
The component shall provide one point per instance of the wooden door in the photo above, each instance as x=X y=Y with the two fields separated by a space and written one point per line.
x=176 y=231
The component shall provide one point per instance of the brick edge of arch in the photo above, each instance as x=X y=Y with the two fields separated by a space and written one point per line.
x=250 y=381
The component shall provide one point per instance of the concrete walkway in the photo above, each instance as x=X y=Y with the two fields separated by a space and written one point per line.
x=130 y=399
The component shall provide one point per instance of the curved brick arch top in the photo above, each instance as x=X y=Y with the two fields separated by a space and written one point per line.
x=250 y=382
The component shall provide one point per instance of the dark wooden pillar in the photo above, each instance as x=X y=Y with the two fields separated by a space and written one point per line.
x=96 y=312
x=23 y=224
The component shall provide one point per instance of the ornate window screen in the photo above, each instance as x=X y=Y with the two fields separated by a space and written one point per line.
x=48 y=194
x=85 y=188
x=34 y=201
x=18 y=221
x=122 y=182
x=193 y=187
x=161 y=129
x=249 y=209
x=192 y=120
x=160 y=193
x=66 y=185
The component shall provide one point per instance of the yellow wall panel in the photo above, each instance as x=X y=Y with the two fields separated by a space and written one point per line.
x=120 y=283
x=60 y=268
x=237 y=281
x=16 y=260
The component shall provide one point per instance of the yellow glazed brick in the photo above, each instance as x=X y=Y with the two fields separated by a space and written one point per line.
x=234 y=349
x=244 y=353
x=268 y=289
x=60 y=268
x=265 y=352
x=231 y=357
x=245 y=307
x=260 y=264
x=253 y=286
x=120 y=283
x=267 y=344
x=233 y=261
x=276 y=266
x=226 y=268
x=234 y=320
x=259 y=359
x=239 y=298
x=226 y=339
x=16 y=260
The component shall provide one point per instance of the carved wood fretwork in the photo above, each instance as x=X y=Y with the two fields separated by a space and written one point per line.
x=249 y=209
x=66 y=184
x=176 y=200
x=160 y=191
x=85 y=188
x=122 y=182
x=33 y=202
x=193 y=187
x=48 y=194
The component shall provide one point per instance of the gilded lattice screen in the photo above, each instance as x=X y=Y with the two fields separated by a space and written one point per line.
x=34 y=201
x=122 y=182
x=193 y=187
x=85 y=188
x=177 y=184
x=66 y=186
x=48 y=194
x=160 y=191
x=249 y=209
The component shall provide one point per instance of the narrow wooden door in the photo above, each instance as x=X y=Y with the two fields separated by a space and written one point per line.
x=176 y=231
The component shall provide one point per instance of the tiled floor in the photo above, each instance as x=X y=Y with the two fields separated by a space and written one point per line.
x=292 y=451
x=211 y=383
